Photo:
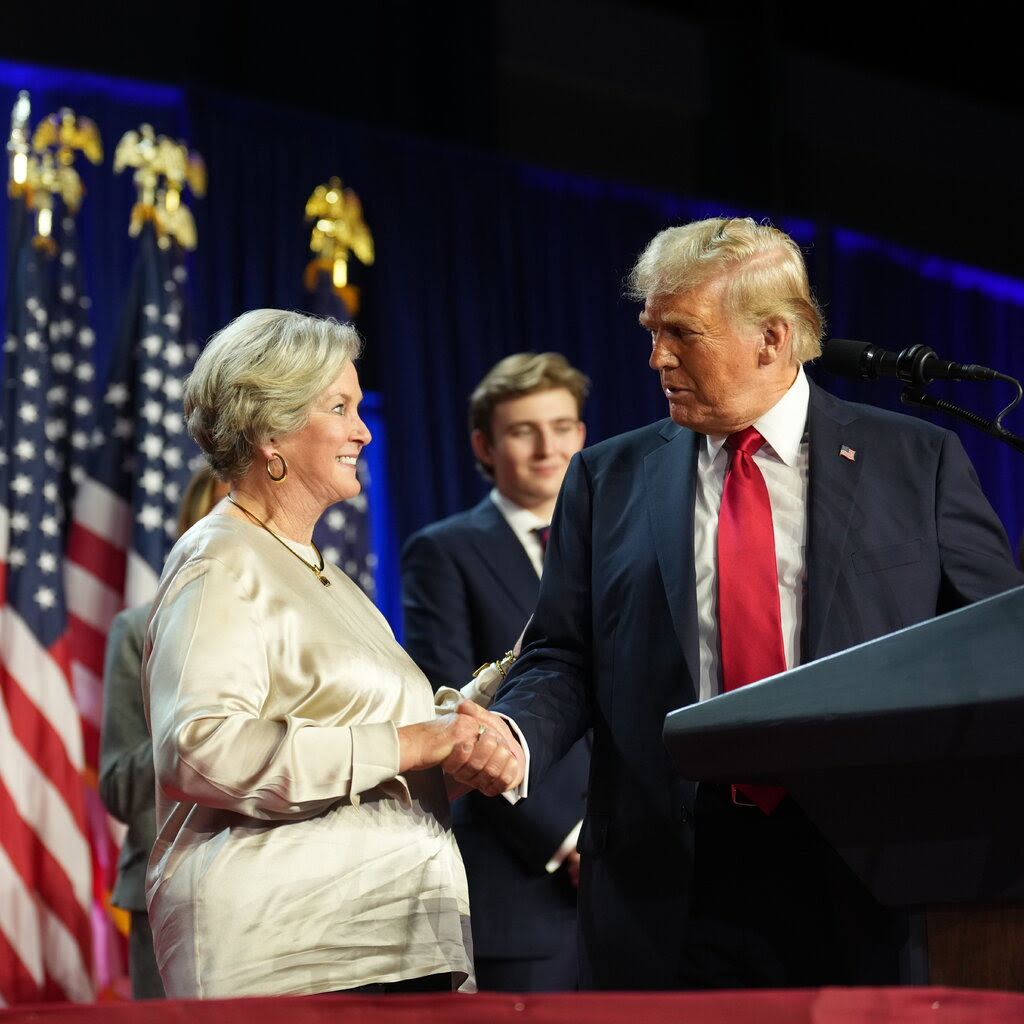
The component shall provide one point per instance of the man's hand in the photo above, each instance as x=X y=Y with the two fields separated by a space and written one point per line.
x=572 y=867
x=494 y=762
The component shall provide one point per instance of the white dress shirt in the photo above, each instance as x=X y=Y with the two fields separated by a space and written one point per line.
x=523 y=523
x=783 y=463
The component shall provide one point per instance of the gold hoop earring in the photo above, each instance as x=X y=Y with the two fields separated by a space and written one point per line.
x=284 y=467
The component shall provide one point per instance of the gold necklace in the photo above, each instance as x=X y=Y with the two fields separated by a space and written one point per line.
x=317 y=570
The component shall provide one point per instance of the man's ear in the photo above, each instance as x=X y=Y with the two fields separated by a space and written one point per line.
x=776 y=342
x=481 y=448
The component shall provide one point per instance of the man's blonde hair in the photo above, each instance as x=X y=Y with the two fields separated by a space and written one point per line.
x=764 y=270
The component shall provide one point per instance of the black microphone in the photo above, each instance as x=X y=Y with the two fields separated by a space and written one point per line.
x=917 y=365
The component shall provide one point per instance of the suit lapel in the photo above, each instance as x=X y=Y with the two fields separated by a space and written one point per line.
x=499 y=550
x=835 y=460
x=669 y=480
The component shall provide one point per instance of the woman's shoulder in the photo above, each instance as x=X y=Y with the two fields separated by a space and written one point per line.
x=215 y=538
x=213 y=534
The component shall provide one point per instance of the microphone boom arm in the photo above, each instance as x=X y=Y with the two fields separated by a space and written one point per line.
x=922 y=400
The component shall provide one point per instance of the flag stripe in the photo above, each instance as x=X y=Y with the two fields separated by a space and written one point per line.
x=51 y=698
x=103 y=513
x=17 y=983
x=41 y=805
x=38 y=870
x=67 y=963
x=91 y=745
x=47 y=878
x=87 y=684
x=20 y=926
x=32 y=732
x=96 y=555
x=88 y=645
x=93 y=601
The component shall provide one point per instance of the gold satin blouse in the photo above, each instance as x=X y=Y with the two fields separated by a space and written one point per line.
x=291 y=858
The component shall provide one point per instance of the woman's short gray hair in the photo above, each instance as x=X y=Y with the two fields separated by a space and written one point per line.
x=258 y=378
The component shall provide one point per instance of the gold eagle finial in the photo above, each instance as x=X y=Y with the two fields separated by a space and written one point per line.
x=338 y=228
x=43 y=166
x=163 y=168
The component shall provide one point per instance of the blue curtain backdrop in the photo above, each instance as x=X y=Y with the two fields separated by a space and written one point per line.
x=479 y=256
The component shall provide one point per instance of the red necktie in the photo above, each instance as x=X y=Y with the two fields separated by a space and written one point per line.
x=749 y=617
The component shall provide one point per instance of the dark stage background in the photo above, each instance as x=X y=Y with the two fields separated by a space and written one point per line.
x=513 y=157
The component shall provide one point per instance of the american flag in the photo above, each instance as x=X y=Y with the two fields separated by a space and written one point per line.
x=126 y=508
x=74 y=370
x=46 y=875
x=343 y=532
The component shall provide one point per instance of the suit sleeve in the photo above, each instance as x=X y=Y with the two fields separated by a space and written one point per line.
x=436 y=616
x=974 y=550
x=547 y=690
x=438 y=620
x=127 y=780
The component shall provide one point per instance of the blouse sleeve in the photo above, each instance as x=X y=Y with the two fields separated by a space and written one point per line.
x=208 y=678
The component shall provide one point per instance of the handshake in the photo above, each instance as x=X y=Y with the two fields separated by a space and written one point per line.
x=476 y=748
x=492 y=760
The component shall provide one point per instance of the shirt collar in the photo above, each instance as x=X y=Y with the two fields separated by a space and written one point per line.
x=782 y=426
x=522 y=520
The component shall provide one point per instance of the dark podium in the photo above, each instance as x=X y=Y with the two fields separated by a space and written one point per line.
x=908 y=754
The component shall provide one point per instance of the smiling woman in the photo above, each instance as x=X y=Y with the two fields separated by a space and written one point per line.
x=303 y=841
x=324 y=453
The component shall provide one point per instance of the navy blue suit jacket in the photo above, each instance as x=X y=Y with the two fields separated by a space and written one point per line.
x=896 y=536
x=468 y=589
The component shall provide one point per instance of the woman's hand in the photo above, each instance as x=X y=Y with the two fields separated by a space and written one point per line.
x=427 y=744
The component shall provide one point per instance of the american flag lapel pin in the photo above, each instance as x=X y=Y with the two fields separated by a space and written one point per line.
x=847 y=452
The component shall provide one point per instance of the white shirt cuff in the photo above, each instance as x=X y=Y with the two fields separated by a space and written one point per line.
x=568 y=845
x=522 y=791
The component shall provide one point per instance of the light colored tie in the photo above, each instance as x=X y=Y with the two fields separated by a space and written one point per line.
x=749 y=614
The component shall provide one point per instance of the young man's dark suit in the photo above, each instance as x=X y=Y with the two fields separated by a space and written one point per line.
x=895 y=536
x=468 y=589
